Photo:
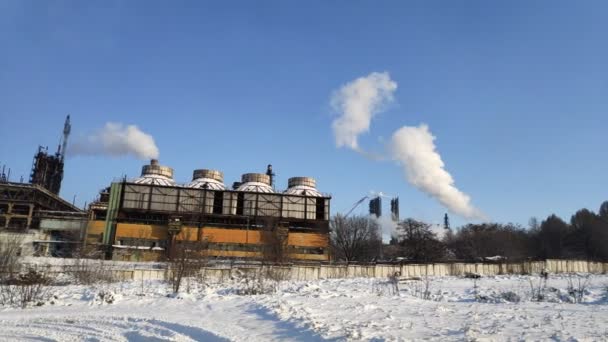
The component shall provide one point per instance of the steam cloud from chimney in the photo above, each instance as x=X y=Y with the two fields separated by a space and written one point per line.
x=116 y=139
x=413 y=148
x=357 y=102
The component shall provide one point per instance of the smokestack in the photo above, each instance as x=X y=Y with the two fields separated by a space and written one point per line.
x=375 y=206
x=395 y=209
x=270 y=174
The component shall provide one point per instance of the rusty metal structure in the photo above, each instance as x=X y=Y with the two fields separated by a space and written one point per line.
x=20 y=204
x=144 y=220
x=34 y=214
x=41 y=221
x=47 y=169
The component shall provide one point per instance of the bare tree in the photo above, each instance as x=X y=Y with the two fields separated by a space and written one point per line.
x=475 y=241
x=274 y=242
x=188 y=258
x=10 y=249
x=88 y=267
x=603 y=213
x=533 y=224
x=418 y=242
x=356 y=238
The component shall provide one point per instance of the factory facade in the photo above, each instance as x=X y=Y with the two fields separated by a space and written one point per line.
x=33 y=215
x=150 y=217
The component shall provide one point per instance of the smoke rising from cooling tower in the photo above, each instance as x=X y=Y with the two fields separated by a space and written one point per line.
x=357 y=102
x=412 y=148
x=116 y=139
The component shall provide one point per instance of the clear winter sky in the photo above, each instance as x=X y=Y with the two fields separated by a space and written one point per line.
x=514 y=91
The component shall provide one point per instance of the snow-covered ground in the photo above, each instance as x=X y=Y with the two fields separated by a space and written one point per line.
x=493 y=308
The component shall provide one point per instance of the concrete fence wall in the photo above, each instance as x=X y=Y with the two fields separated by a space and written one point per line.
x=300 y=272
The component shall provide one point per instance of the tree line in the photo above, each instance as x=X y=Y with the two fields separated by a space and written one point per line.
x=584 y=236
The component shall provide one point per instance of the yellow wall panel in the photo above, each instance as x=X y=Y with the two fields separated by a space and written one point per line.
x=96 y=227
x=141 y=231
x=188 y=234
x=219 y=235
x=308 y=240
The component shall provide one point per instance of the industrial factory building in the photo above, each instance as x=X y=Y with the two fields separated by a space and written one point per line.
x=149 y=217
x=33 y=215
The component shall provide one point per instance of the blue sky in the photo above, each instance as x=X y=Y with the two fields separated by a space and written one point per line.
x=515 y=92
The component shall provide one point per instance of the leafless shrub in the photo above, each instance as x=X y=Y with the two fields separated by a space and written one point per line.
x=25 y=288
x=87 y=270
x=538 y=287
x=426 y=282
x=187 y=260
x=510 y=296
x=419 y=287
x=394 y=282
x=498 y=297
x=265 y=280
x=475 y=277
x=251 y=283
x=387 y=287
x=10 y=248
x=577 y=286
x=104 y=297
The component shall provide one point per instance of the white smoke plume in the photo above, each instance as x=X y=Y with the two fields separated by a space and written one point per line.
x=414 y=149
x=387 y=226
x=357 y=102
x=116 y=139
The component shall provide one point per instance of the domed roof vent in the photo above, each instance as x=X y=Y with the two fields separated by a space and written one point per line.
x=156 y=174
x=303 y=186
x=207 y=179
x=255 y=182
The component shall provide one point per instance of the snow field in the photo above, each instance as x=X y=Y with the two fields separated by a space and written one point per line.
x=341 y=309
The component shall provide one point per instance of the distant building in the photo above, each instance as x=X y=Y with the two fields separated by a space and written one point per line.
x=375 y=206
x=34 y=216
x=395 y=209
x=47 y=170
x=145 y=218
